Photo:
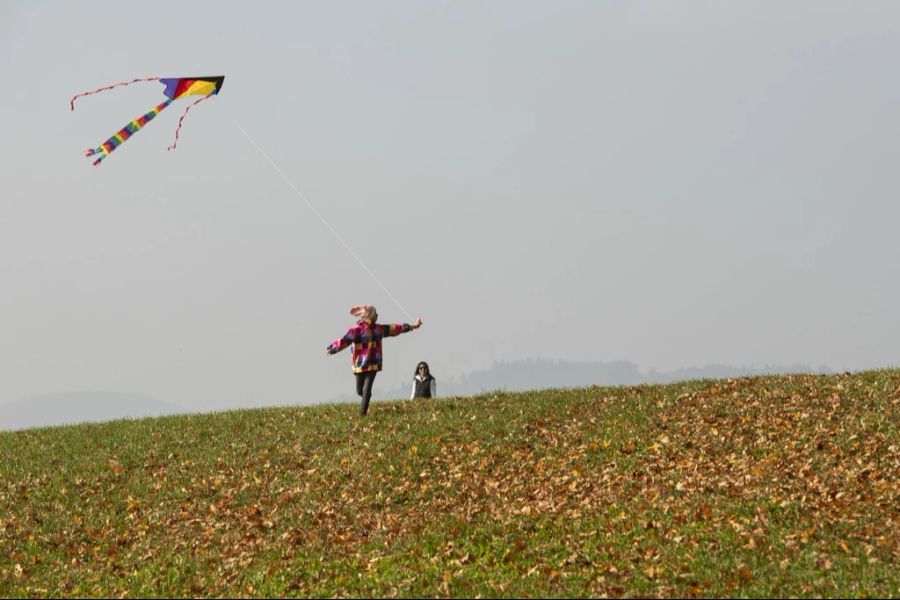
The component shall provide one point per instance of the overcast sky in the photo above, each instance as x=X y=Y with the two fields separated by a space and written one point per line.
x=673 y=184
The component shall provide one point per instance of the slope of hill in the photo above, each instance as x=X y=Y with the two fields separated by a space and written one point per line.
x=541 y=373
x=764 y=486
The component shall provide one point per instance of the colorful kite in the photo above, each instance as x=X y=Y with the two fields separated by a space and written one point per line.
x=175 y=88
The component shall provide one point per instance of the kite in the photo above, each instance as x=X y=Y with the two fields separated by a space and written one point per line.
x=176 y=88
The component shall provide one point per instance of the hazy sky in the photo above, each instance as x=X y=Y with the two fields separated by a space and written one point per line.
x=673 y=184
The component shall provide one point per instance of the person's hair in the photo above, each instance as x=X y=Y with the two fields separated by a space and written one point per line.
x=422 y=364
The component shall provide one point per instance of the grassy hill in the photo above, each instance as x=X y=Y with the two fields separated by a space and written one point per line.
x=763 y=486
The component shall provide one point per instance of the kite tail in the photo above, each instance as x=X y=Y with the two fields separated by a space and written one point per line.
x=99 y=158
x=126 y=132
x=183 y=115
x=93 y=151
x=108 y=87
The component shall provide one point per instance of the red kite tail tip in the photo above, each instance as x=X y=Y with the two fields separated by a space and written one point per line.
x=96 y=163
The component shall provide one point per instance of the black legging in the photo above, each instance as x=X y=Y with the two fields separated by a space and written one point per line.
x=364 y=388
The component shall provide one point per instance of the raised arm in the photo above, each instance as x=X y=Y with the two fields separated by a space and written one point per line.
x=398 y=328
x=336 y=346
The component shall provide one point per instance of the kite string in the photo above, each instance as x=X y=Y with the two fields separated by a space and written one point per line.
x=321 y=218
x=108 y=87
x=183 y=115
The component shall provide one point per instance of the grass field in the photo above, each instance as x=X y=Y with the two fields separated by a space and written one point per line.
x=764 y=487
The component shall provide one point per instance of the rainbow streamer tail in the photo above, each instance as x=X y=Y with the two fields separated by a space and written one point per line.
x=118 y=138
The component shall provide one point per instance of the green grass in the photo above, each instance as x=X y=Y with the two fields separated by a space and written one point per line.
x=757 y=487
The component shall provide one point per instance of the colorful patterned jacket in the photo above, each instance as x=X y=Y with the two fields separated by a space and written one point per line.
x=366 y=339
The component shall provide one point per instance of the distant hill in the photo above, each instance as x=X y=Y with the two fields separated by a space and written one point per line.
x=540 y=373
x=80 y=407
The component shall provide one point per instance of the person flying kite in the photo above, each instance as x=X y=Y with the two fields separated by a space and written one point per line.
x=175 y=88
x=365 y=337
